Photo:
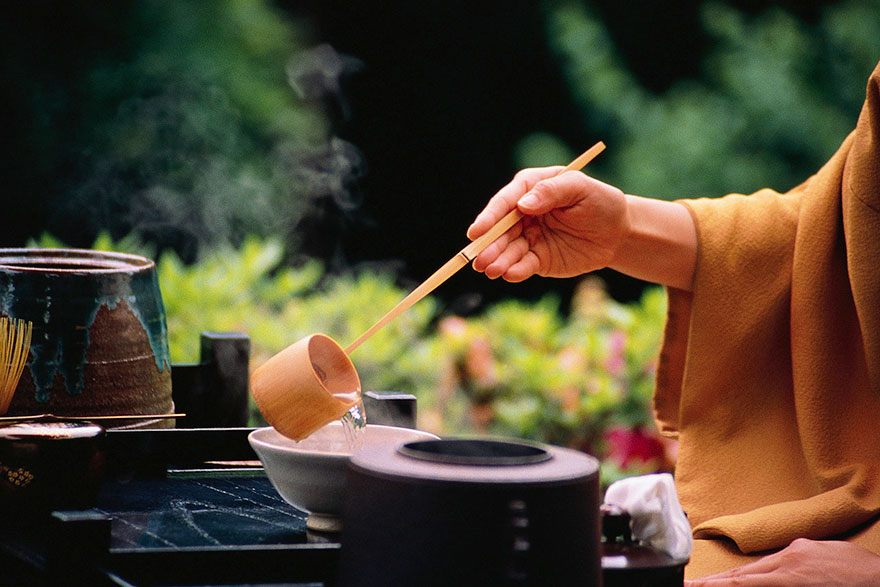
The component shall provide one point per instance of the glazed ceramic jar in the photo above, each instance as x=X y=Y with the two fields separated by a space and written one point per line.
x=100 y=340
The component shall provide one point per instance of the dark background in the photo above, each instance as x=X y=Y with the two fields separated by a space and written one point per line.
x=444 y=91
x=447 y=89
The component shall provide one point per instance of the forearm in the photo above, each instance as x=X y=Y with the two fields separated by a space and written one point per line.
x=660 y=245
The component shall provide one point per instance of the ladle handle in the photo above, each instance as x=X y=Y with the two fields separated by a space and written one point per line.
x=465 y=256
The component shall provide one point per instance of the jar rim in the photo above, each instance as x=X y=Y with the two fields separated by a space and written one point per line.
x=44 y=260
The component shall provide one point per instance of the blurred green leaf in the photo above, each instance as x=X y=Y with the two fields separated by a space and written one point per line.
x=776 y=99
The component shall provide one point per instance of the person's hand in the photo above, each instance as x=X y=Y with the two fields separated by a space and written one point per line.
x=804 y=563
x=573 y=224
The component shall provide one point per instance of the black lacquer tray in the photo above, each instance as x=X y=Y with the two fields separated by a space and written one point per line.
x=180 y=507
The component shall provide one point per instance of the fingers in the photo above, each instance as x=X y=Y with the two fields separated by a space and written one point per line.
x=509 y=256
x=768 y=571
x=491 y=253
x=523 y=269
x=506 y=199
x=751 y=580
x=514 y=262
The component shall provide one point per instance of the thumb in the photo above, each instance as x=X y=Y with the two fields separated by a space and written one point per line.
x=560 y=191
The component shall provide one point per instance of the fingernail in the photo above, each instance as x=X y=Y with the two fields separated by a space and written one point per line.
x=529 y=201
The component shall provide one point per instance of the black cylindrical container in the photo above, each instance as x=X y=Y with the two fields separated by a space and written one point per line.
x=471 y=512
x=49 y=465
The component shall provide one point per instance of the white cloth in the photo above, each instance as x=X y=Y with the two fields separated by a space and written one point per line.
x=656 y=515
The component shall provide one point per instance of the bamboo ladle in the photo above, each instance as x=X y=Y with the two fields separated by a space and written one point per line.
x=313 y=381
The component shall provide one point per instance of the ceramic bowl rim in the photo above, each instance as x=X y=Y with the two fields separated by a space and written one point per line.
x=255 y=438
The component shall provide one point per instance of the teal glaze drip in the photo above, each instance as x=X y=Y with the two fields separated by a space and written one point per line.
x=146 y=302
x=63 y=307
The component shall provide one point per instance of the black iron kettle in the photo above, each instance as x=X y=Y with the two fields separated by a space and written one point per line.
x=471 y=512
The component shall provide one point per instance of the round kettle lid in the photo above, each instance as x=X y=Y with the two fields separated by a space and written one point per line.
x=477 y=452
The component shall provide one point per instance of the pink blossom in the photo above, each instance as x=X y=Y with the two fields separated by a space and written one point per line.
x=480 y=362
x=571 y=360
x=453 y=326
x=615 y=362
x=628 y=446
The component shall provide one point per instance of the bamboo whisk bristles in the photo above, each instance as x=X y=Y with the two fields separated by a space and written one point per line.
x=15 y=346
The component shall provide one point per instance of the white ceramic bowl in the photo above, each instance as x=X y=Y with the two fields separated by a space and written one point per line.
x=310 y=474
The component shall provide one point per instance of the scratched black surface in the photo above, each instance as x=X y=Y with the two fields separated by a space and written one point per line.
x=199 y=511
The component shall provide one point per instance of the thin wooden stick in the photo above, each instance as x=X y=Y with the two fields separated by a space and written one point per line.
x=445 y=272
x=33 y=417
x=465 y=256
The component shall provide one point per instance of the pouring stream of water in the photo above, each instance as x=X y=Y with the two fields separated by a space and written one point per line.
x=354 y=421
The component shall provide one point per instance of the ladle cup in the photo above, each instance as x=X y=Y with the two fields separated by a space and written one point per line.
x=313 y=382
x=306 y=386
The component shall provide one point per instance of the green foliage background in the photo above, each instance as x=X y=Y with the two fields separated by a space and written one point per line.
x=776 y=98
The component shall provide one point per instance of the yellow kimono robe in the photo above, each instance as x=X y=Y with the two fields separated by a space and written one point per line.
x=769 y=374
